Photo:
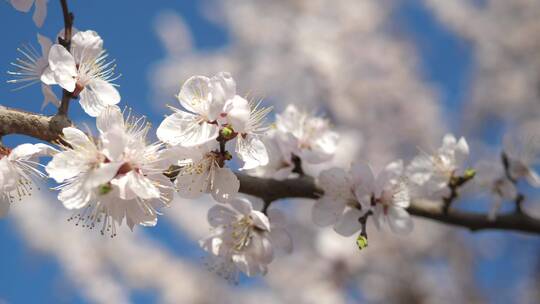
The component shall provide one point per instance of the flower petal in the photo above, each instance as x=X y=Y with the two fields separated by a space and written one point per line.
x=186 y=130
x=348 y=223
x=399 y=220
x=40 y=12
x=225 y=185
x=252 y=151
x=326 y=211
x=195 y=95
x=63 y=65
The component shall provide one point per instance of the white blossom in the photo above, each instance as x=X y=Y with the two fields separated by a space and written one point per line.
x=247 y=121
x=32 y=68
x=339 y=206
x=430 y=174
x=243 y=239
x=522 y=149
x=203 y=171
x=40 y=10
x=17 y=167
x=306 y=136
x=279 y=165
x=387 y=195
x=203 y=99
x=491 y=176
x=116 y=176
x=84 y=72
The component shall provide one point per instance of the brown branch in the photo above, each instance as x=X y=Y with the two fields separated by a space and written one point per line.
x=66 y=42
x=48 y=128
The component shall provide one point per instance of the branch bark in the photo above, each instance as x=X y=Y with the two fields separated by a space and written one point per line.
x=48 y=128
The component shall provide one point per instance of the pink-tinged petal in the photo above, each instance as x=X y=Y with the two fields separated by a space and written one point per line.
x=399 y=220
x=195 y=95
x=63 y=65
x=238 y=113
x=111 y=117
x=362 y=175
x=348 y=223
x=260 y=220
x=252 y=151
x=40 y=12
x=220 y=215
x=22 y=5
x=185 y=129
x=327 y=211
x=225 y=185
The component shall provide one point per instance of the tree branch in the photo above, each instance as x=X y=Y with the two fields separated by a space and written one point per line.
x=66 y=42
x=48 y=128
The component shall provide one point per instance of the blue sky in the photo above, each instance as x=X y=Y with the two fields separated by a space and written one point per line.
x=127 y=30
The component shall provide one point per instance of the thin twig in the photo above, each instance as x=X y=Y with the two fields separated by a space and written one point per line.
x=66 y=42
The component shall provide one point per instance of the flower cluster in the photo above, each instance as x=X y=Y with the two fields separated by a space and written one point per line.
x=118 y=176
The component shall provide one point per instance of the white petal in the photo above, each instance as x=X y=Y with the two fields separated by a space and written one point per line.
x=348 y=223
x=64 y=165
x=223 y=87
x=22 y=5
x=326 y=211
x=63 y=65
x=114 y=144
x=252 y=151
x=238 y=113
x=77 y=138
x=47 y=76
x=101 y=175
x=97 y=95
x=40 y=12
x=195 y=95
x=74 y=196
x=86 y=46
x=111 y=117
x=242 y=205
x=260 y=220
x=334 y=181
x=225 y=184
x=185 y=129
x=142 y=186
x=191 y=185
x=399 y=220
x=220 y=215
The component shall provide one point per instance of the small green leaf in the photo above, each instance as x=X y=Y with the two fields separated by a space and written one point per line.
x=362 y=242
x=227 y=132
x=469 y=173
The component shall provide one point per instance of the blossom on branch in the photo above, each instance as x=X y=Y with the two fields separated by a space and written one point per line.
x=491 y=176
x=522 y=152
x=33 y=68
x=84 y=72
x=430 y=174
x=243 y=239
x=114 y=176
x=17 y=168
x=40 y=10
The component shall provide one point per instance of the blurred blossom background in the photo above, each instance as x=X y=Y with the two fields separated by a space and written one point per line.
x=392 y=76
